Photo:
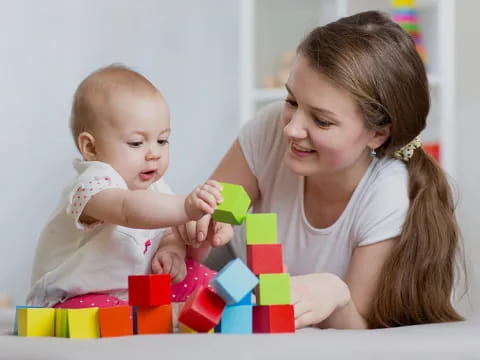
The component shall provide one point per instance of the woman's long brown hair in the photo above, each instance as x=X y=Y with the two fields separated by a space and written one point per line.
x=376 y=61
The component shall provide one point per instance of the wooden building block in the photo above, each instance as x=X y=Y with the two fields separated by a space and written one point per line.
x=15 y=324
x=61 y=323
x=184 y=329
x=236 y=319
x=274 y=289
x=36 y=321
x=203 y=310
x=234 y=206
x=154 y=320
x=149 y=290
x=234 y=281
x=261 y=229
x=115 y=321
x=273 y=319
x=83 y=323
x=265 y=258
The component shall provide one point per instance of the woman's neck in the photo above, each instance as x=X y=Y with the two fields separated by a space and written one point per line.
x=338 y=187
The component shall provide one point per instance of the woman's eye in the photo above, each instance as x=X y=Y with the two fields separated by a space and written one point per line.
x=134 y=143
x=322 y=123
x=163 y=142
x=291 y=102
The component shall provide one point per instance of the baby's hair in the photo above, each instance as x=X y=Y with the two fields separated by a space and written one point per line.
x=96 y=88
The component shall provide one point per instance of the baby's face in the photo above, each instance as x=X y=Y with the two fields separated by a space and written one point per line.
x=134 y=138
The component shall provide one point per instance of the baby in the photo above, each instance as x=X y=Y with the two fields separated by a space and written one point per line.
x=117 y=211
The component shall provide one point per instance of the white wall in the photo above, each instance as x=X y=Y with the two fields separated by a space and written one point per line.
x=468 y=139
x=187 y=48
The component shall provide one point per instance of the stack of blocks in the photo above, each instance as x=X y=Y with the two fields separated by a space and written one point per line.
x=273 y=311
x=151 y=298
x=229 y=308
x=150 y=312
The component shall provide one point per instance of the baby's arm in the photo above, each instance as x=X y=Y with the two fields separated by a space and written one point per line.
x=147 y=209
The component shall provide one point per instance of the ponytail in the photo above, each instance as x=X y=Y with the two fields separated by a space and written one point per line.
x=416 y=282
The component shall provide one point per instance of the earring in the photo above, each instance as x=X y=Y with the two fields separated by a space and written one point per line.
x=373 y=153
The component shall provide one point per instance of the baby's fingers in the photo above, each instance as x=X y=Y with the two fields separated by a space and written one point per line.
x=156 y=266
x=214 y=188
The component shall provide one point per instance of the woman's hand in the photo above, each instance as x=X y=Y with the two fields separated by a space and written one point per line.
x=204 y=232
x=317 y=296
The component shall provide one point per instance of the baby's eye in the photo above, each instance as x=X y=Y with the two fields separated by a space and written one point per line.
x=134 y=143
x=163 y=141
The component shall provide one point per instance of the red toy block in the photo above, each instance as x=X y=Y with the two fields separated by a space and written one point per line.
x=149 y=290
x=154 y=320
x=432 y=148
x=273 y=319
x=115 y=321
x=203 y=310
x=265 y=258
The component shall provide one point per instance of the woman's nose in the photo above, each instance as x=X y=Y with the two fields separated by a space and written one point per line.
x=295 y=127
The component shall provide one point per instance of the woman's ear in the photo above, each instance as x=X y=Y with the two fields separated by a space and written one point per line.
x=86 y=144
x=380 y=136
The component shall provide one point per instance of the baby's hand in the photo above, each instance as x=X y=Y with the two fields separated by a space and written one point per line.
x=168 y=262
x=203 y=200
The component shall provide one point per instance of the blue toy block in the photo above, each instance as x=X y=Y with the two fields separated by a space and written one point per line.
x=236 y=319
x=234 y=282
x=15 y=325
x=247 y=300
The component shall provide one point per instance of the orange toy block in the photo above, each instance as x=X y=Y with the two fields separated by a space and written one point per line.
x=265 y=258
x=115 y=321
x=149 y=290
x=154 y=320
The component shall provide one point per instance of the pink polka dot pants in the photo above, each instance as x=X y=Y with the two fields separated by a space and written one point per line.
x=197 y=275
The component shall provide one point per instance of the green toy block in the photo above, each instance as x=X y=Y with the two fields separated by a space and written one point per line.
x=274 y=289
x=235 y=204
x=261 y=229
x=61 y=323
x=36 y=322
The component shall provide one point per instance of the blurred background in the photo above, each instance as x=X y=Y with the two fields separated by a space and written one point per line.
x=216 y=62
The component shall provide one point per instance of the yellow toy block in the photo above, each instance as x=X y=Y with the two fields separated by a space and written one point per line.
x=36 y=322
x=83 y=323
x=61 y=323
x=184 y=329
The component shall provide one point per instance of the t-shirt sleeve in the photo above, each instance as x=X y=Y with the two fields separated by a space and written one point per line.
x=259 y=135
x=161 y=186
x=96 y=177
x=385 y=209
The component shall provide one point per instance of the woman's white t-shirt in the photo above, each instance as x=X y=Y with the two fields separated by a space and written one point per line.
x=74 y=259
x=375 y=212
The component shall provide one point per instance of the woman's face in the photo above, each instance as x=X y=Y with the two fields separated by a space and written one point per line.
x=326 y=134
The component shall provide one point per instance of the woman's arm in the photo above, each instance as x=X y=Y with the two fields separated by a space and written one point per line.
x=234 y=169
x=328 y=302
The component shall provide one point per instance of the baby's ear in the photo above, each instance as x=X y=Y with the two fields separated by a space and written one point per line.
x=86 y=144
